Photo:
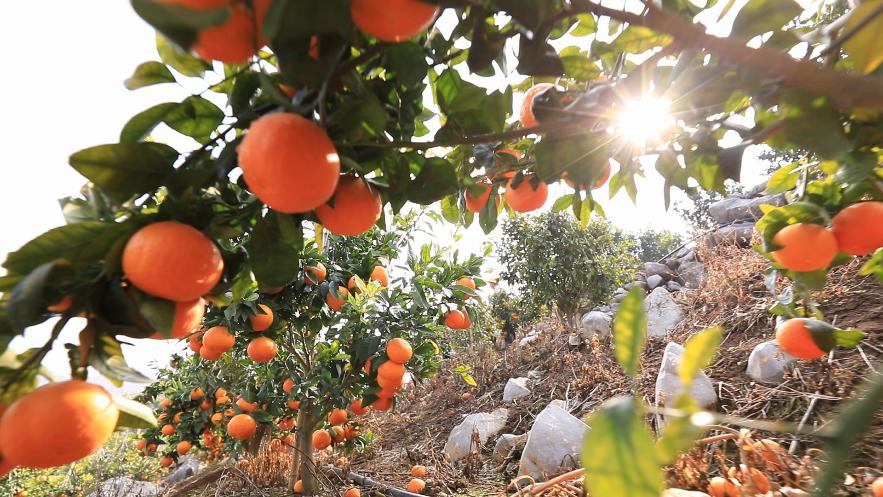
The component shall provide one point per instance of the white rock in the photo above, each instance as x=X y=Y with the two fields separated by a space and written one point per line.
x=515 y=389
x=654 y=280
x=669 y=385
x=554 y=443
x=693 y=274
x=595 y=323
x=506 y=444
x=560 y=403
x=528 y=339
x=486 y=424
x=122 y=486
x=677 y=492
x=187 y=467
x=734 y=209
x=574 y=340
x=767 y=362
x=663 y=313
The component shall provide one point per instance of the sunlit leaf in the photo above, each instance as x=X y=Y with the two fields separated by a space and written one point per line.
x=630 y=331
x=698 y=352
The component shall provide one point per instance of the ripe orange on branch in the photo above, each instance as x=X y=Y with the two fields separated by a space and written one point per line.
x=188 y=317
x=321 y=439
x=476 y=204
x=357 y=207
x=399 y=350
x=392 y=20
x=218 y=338
x=261 y=322
x=168 y=430
x=356 y=407
x=859 y=228
x=336 y=303
x=391 y=370
x=241 y=427
x=525 y=197
x=210 y=354
x=605 y=175
x=337 y=417
x=289 y=163
x=379 y=275
x=234 y=41
x=313 y=275
x=528 y=117
x=173 y=261
x=805 y=247
x=183 y=447
x=262 y=349
x=796 y=339
x=456 y=320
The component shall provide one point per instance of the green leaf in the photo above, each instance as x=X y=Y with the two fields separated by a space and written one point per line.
x=811 y=123
x=177 y=22
x=487 y=216
x=450 y=209
x=107 y=358
x=180 y=61
x=468 y=108
x=580 y=67
x=159 y=313
x=638 y=39
x=699 y=350
x=195 y=117
x=133 y=414
x=630 y=331
x=679 y=433
x=274 y=249
x=619 y=454
x=28 y=301
x=783 y=180
x=149 y=73
x=873 y=266
x=562 y=203
x=759 y=16
x=864 y=47
x=292 y=19
x=126 y=169
x=849 y=338
x=586 y=25
x=437 y=179
x=407 y=60
x=142 y=124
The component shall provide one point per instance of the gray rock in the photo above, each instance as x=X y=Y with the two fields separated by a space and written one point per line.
x=735 y=234
x=639 y=284
x=605 y=309
x=486 y=424
x=669 y=385
x=651 y=268
x=767 y=362
x=528 y=339
x=673 y=286
x=663 y=313
x=595 y=323
x=123 y=486
x=693 y=274
x=515 y=389
x=554 y=443
x=187 y=467
x=559 y=403
x=673 y=264
x=534 y=374
x=655 y=280
x=689 y=256
x=677 y=492
x=506 y=444
x=574 y=340
x=734 y=209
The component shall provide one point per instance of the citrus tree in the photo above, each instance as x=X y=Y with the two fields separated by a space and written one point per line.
x=321 y=118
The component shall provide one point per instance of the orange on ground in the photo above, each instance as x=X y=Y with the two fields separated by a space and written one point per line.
x=722 y=487
x=62 y=305
x=173 y=261
x=399 y=350
x=805 y=247
x=357 y=207
x=289 y=163
x=418 y=471
x=217 y=418
x=456 y=320
x=476 y=204
x=338 y=434
x=379 y=275
x=318 y=272
x=166 y=461
x=218 y=338
x=287 y=385
x=467 y=395
x=336 y=303
x=382 y=405
x=391 y=370
x=524 y=197
x=188 y=317
x=233 y=42
x=859 y=228
x=262 y=349
x=352 y=492
x=246 y=406
x=183 y=447
x=57 y=424
x=416 y=485
x=209 y=354
x=260 y=322
x=298 y=487
x=528 y=118
x=356 y=407
x=337 y=417
x=392 y=20
x=293 y=404
x=241 y=427
x=321 y=439
x=197 y=394
x=796 y=340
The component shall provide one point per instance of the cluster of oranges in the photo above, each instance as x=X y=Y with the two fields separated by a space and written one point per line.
x=856 y=230
x=336 y=302
x=458 y=319
x=214 y=342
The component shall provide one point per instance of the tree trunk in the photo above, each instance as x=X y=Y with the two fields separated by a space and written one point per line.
x=253 y=446
x=302 y=465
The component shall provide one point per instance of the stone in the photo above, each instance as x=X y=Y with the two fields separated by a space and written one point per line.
x=595 y=323
x=124 y=486
x=677 y=492
x=528 y=339
x=560 y=403
x=673 y=286
x=651 y=268
x=506 y=444
x=186 y=467
x=574 y=340
x=654 y=281
x=767 y=362
x=730 y=210
x=663 y=313
x=486 y=424
x=673 y=264
x=554 y=444
x=534 y=374
x=669 y=385
x=735 y=234
x=689 y=256
x=515 y=389
x=693 y=274
x=640 y=284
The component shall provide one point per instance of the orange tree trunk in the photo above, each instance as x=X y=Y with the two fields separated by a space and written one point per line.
x=303 y=467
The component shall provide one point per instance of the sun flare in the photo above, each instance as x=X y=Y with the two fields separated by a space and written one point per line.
x=645 y=120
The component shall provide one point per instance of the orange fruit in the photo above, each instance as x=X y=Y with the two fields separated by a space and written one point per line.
x=287 y=385
x=350 y=431
x=205 y=405
x=418 y=471
x=165 y=403
x=183 y=447
x=262 y=349
x=796 y=340
x=321 y=439
x=298 y=487
x=188 y=317
x=877 y=487
x=859 y=228
x=288 y=90
x=467 y=282
x=199 y=4
x=387 y=393
x=416 y=485
x=229 y=412
x=194 y=342
x=288 y=439
x=57 y=424
x=352 y=492
x=393 y=384
x=218 y=338
x=233 y=42
x=467 y=395
x=260 y=322
x=293 y=404
x=722 y=487
x=338 y=436
x=318 y=272
x=476 y=204
x=357 y=206
x=605 y=175
x=528 y=118
x=337 y=417
x=241 y=427
x=166 y=461
x=177 y=418
x=62 y=305
x=773 y=453
x=172 y=261
x=286 y=424
x=391 y=370
x=246 y=406
x=379 y=275
x=141 y=444
x=367 y=367
x=524 y=197
x=220 y=392
x=805 y=247
x=356 y=407
x=197 y=394
x=392 y=20
x=209 y=354
x=456 y=320
x=289 y=162
x=399 y=350
x=336 y=303
x=217 y=418
x=382 y=404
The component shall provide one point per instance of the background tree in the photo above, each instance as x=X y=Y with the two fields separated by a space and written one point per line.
x=655 y=244
x=552 y=259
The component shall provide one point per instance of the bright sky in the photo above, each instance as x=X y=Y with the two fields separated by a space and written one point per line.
x=63 y=91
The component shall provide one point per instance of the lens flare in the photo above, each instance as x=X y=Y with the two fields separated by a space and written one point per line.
x=643 y=121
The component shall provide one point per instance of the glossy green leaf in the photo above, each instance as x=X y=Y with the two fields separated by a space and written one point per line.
x=195 y=117
x=630 y=331
x=28 y=300
x=698 y=352
x=759 y=16
x=784 y=179
x=180 y=24
x=437 y=179
x=638 y=39
x=143 y=123
x=126 y=169
x=274 y=249
x=179 y=60
x=107 y=358
x=874 y=266
x=149 y=73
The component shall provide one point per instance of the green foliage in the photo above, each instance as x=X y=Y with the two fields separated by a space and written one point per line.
x=653 y=245
x=630 y=331
x=696 y=212
x=555 y=260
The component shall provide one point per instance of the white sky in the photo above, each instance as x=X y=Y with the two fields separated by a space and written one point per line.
x=62 y=91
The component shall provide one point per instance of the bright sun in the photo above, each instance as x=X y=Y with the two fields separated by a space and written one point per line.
x=642 y=121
